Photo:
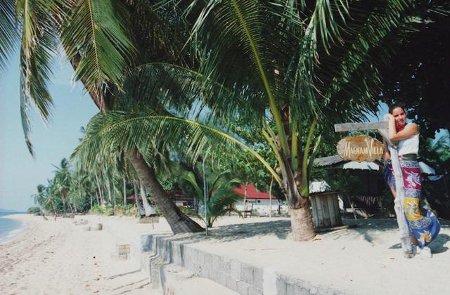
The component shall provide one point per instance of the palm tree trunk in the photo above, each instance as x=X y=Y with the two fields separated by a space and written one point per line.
x=100 y=191
x=108 y=187
x=141 y=211
x=124 y=192
x=70 y=207
x=147 y=208
x=179 y=222
x=301 y=223
x=98 y=197
x=302 y=226
x=75 y=209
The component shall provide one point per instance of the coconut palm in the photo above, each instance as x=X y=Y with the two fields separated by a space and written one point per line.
x=39 y=197
x=99 y=39
x=62 y=183
x=219 y=194
x=48 y=199
x=304 y=63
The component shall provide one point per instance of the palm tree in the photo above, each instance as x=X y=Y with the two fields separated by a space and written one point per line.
x=48 y=199
x=62 y=183
x=100 y=39
x=304 y=63
x=40 y=196
x=219 y=194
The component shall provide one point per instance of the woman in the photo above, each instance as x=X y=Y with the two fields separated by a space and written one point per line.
x=423 y=224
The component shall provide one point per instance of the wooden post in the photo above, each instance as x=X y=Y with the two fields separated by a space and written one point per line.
x=345 y=127
x=400 y=194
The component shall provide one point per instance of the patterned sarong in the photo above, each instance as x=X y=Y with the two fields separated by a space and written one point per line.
x=422 y=223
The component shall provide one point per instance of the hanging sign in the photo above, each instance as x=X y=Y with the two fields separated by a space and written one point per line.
x=360 y=148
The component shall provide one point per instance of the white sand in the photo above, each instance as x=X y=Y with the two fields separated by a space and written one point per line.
x=366 y=259
x=59 y=257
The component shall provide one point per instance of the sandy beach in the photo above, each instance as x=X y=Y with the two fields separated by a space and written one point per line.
x=63 y=257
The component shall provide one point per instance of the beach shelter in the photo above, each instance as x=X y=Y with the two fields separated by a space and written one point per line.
x=251 y=192
x=254 y=199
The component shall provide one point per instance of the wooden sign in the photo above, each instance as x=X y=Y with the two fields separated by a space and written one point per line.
x=360 y=148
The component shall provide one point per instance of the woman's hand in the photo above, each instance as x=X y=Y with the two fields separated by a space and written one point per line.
x=390 y=117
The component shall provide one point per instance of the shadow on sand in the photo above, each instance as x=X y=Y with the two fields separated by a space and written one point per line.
x=367 y=228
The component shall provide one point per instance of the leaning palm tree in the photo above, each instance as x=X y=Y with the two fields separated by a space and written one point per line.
x=100 y=39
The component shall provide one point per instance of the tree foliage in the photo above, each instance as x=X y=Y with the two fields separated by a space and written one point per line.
x=418 y=72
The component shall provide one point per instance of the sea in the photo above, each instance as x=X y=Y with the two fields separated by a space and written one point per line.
x=9 y=228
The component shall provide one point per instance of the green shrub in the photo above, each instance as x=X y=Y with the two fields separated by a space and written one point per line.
x=125 y=210
x=187 y=211
x=34 y=210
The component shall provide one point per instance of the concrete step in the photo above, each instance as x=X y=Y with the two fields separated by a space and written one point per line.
x=180 y=281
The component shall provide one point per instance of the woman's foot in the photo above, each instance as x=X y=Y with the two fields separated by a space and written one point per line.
x=425 y=252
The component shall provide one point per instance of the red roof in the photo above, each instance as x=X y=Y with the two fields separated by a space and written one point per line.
x=252 y=192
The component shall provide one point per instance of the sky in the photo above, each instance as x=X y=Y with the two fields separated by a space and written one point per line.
x=20 y=173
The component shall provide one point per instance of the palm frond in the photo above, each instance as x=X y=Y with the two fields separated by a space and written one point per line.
x=170 y=88
x=190 y=178
x=38 y=47
x=352 y=72
x=94 y=35
x=115 y=132
x=8 y=31
x=231 y=34
x=159 y=32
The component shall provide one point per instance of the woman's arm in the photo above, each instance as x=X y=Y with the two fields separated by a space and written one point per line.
x=386 y=153
x=408 y=131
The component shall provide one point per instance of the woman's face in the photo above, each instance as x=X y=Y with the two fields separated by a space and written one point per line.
x=400 y=118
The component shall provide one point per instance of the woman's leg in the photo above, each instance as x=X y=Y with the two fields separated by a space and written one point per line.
x=394 y=193
x=424 y=228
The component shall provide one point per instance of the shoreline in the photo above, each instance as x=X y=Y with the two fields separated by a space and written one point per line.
x=14 y=234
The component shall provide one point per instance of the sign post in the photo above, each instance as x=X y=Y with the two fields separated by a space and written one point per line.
x=382 y=128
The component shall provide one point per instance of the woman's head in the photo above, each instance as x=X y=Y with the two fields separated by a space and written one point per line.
x=399 y=113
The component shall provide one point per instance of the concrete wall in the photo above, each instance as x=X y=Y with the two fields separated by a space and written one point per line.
x=241 y=277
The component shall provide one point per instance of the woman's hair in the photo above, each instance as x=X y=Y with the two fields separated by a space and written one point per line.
x=396 y=105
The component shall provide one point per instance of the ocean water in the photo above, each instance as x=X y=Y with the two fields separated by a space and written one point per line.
x=9 y=227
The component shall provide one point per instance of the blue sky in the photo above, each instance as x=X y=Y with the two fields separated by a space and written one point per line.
x=20 y=173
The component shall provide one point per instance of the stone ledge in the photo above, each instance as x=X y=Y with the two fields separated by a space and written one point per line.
x=166 y=252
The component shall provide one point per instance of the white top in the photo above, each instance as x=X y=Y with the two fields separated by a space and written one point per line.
x=409 y=145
